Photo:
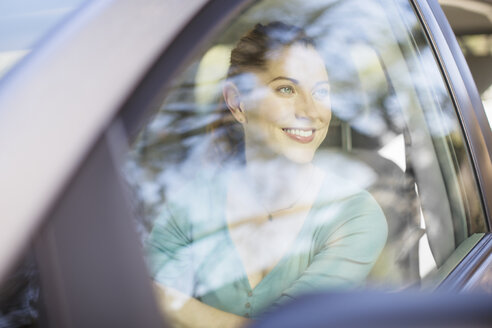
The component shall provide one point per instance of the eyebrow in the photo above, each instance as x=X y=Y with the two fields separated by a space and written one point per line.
x=284 y=78
x=296 y=81
x=322 y=82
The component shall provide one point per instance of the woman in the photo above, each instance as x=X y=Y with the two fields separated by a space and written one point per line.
x=272 y=225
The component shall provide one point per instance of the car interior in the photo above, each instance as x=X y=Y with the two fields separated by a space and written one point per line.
x=377 y=137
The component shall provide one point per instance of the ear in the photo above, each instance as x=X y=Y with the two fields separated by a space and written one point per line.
x=232 y=98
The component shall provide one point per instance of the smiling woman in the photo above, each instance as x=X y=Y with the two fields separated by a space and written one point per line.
x=289 y=97
x=264 y=228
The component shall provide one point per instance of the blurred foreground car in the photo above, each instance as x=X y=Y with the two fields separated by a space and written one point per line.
x=110 y=112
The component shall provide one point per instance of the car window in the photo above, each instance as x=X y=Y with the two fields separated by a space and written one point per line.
x=19 y=294
x=472 y=25
x=478 y=53
x=306 y=147
x=24 y=23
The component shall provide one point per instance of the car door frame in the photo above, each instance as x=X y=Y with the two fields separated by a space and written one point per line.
x=98 y=146
x=476 y=131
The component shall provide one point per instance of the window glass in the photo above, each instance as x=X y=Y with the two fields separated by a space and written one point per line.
x=472 y=24
x=318 y=150
x=19 y=294
x=24 y=23
x=478 y=53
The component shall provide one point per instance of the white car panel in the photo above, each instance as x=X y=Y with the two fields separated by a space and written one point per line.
x=65 y=125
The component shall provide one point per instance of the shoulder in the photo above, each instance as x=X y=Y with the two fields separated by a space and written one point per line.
x=365 y=218
x=364 y=205
x=343 y=205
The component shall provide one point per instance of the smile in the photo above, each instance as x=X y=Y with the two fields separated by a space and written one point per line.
x=300 y=135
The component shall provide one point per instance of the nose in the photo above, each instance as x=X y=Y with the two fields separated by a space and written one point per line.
x=307 y=108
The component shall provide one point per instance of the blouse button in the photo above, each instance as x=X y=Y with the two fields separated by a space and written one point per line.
x=248 y=305
x=250 y=293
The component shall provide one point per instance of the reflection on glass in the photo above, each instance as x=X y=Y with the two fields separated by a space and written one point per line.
x=478 y=53
x=20 y=295
x=266 y=226
x=287 y=160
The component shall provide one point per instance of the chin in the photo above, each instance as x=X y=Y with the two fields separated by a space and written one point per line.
x=300 y=156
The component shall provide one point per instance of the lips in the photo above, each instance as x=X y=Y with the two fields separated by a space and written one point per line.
x=300 y=135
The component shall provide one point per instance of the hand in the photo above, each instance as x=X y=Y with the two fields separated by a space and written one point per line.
x=183 y=311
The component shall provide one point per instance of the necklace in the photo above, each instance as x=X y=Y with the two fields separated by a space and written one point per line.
x=271 y=214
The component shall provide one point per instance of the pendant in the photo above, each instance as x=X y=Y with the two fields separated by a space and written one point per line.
x=270 y=217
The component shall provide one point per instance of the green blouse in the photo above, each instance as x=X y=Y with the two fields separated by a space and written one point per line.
x=190 y=248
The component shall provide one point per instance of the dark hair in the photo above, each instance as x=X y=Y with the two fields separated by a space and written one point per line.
x=252 y=52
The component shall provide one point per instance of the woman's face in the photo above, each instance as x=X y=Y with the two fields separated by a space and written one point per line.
x=288 y=111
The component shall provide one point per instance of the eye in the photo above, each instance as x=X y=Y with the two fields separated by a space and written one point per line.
x=286 y=90
x=321 y=94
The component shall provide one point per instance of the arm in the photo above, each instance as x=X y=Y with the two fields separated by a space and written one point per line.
x=348 y=249
x=184 y=311
x=170 y=259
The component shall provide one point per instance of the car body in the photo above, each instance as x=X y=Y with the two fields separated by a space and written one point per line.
x=69 y=109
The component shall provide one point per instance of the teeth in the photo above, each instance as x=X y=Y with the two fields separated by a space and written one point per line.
x=298 y=132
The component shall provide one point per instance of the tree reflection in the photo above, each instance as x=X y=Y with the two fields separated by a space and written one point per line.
x=385 y=87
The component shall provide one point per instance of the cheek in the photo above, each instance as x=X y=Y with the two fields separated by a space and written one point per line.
x=272 y=110
x=323 y=135
x=325 y=114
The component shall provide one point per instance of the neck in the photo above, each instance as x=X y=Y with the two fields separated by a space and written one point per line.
x=277 y=181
